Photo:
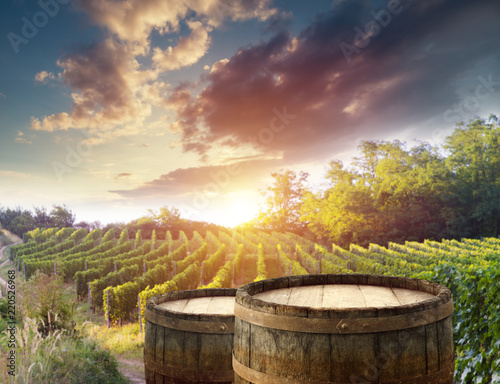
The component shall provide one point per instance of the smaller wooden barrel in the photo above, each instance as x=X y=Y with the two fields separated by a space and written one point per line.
x=343 y=329
x=189 y=337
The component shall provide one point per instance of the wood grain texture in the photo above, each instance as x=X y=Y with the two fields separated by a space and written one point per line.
x=343 y=296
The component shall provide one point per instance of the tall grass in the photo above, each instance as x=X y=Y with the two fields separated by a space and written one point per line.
x=58 y=357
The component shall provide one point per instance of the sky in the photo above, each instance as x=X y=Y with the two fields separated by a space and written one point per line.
x=114 y=107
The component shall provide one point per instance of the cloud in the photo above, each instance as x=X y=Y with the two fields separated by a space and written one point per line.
x=44 y=77
x=110 y=89
x=216 y=179
x=2 y=95
x=113 y=90
x=15 y=175
x=187 y=52
x=21 y=139
x=135 y=20
x=123 y=174
x=403 y=75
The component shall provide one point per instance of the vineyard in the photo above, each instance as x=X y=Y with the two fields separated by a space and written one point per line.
x=112 y=268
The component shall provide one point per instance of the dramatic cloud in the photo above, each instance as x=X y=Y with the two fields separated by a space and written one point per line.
x=342 y=78
x=110 y=89
x=134 y=20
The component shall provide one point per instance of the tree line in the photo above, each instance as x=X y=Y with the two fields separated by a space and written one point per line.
x=391 y=192
x=19 y=220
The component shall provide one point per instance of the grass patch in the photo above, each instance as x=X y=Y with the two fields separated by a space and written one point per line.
x=125 y=341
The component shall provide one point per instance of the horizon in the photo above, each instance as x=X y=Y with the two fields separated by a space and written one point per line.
x=112 y=111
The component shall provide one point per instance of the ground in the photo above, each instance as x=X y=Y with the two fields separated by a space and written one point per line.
x=132 y=368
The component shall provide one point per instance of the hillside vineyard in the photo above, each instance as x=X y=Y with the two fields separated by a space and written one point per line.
x=113 y=268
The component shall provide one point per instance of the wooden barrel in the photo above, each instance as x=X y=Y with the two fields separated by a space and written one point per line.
x=348 y=328
x=189 y=337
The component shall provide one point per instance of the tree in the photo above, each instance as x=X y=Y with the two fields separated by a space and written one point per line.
x=146 y=224
x=89 y=225
x=344 y=213
x=117 y=227
x=389 y=194
x=41 y=218
x=16 y=220
x=61 y=216
x=22 y=223
x=474 y=163
x=284 y=199
x=166 y=217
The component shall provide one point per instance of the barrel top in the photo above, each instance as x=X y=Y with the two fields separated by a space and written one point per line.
x=343 y=296
x=215 y=305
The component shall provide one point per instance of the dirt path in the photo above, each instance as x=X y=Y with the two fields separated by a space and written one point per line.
x=132 y=369
x=2 y=281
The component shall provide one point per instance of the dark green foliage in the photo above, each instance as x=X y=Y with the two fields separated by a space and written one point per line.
x=79 y=360
x=92 y=365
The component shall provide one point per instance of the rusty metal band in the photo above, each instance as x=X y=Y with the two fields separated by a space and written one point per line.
x=187 y=373
x=218 y=327
x=344 y=326
x=442 y=376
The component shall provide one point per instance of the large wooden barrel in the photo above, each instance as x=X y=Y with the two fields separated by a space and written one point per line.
x=189 y=337
x=348 y=328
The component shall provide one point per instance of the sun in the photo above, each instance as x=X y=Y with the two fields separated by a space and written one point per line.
x=239 y=209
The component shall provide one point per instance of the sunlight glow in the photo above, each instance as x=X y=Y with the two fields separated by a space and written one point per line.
x=239 y=209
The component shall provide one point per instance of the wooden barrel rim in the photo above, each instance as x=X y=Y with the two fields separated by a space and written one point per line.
x=342 y=320
x=191 y=322
x=188 y=374
x=257 y=377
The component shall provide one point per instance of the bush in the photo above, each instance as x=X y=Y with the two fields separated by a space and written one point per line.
x=42 y=299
